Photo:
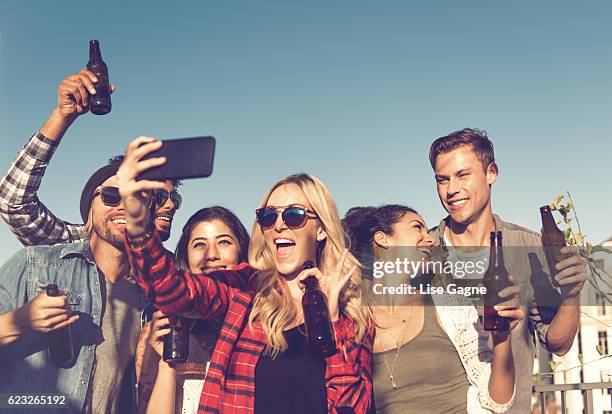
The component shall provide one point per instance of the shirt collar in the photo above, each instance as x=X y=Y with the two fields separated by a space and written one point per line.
x=80 y=248
x=499 y=225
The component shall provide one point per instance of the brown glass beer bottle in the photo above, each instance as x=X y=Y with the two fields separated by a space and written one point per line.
x=176 y=343
x=552 y=240
x=100 y=102
x=495 y=280
x=316 y=316
x=61 y=349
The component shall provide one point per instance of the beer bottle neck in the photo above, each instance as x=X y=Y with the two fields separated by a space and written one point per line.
x=311 y=283
x=548 y=222
x=94 y=51
x=496 y=255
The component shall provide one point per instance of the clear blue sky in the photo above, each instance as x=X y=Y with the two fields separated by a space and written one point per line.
x=353 y=92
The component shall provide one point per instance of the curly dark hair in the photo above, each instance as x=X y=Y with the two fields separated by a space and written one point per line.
x=361 y=223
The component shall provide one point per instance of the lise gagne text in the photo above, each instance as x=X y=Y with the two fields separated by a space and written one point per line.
x=406 y=289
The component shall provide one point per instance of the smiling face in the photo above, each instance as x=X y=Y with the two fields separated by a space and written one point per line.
x=108 y=222
x=410 y=235
x=291 y=248
x=212 y=246
x=106 y=229
x=463 y=184
x=411 y=230
x=165 y=213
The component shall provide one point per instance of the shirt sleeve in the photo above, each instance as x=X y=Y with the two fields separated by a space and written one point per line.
x=348 y=375
x=13 y=282
x=179 y=292
x=31 y=221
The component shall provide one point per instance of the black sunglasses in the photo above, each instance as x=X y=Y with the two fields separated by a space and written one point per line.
x=110 y=196
x=161 y=196
x=293 y=217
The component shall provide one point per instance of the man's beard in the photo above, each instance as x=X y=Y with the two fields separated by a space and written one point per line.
x=104 y=233
x=164 y=234
x=163 y=227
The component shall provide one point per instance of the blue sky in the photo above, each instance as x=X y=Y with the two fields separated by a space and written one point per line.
x=352 y=92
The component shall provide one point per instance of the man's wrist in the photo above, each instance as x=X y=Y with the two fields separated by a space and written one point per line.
x=56 y=125
x=570 y=301
x=17 y=322
x=138 y=236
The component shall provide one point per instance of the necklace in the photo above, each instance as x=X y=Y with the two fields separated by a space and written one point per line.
x=398 y=346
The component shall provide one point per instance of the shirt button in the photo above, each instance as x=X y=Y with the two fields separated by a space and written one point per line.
x=89 y=348
x=93 y=316
x=83 y=382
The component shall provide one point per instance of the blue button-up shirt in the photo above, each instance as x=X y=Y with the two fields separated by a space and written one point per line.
x=25 y=367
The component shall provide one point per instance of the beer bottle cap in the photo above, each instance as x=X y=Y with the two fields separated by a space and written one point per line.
x=52 y=290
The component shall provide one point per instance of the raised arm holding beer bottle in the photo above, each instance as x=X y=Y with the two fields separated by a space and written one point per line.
x=27 y=217
x=31 y=221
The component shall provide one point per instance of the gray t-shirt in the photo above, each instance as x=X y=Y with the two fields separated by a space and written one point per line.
x=116 y=346
x=458 y=254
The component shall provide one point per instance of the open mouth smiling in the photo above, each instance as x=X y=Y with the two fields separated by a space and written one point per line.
x=284 y=247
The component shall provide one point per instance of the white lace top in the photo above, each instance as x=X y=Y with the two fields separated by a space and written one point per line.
x=461 y=323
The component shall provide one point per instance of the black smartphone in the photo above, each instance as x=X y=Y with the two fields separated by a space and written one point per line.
x=185 y=158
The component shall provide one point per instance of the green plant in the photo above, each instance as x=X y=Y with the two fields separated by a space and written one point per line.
x=600 y=279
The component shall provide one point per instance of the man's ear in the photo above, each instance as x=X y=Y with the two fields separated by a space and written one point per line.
x=321 y=234
x=380 y=238
x=492 y=172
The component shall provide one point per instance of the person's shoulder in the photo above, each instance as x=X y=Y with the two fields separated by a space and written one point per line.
x=512 y=227
x=57 y=251
x=435 y=230
x=29 y=254
x=515 y=232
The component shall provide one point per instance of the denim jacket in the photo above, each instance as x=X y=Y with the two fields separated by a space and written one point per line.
x=25 y=367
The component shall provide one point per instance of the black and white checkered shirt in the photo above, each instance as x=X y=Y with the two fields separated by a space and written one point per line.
x=20 y=208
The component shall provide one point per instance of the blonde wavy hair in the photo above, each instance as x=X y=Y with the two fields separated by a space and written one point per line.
x=272 y=305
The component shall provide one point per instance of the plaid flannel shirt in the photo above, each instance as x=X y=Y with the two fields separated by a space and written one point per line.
x=31 y=221
x=230 y=383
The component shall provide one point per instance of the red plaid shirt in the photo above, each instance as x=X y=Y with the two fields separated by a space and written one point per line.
x=230 y=383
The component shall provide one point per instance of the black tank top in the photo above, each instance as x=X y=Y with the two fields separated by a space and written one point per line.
x=293 y=382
